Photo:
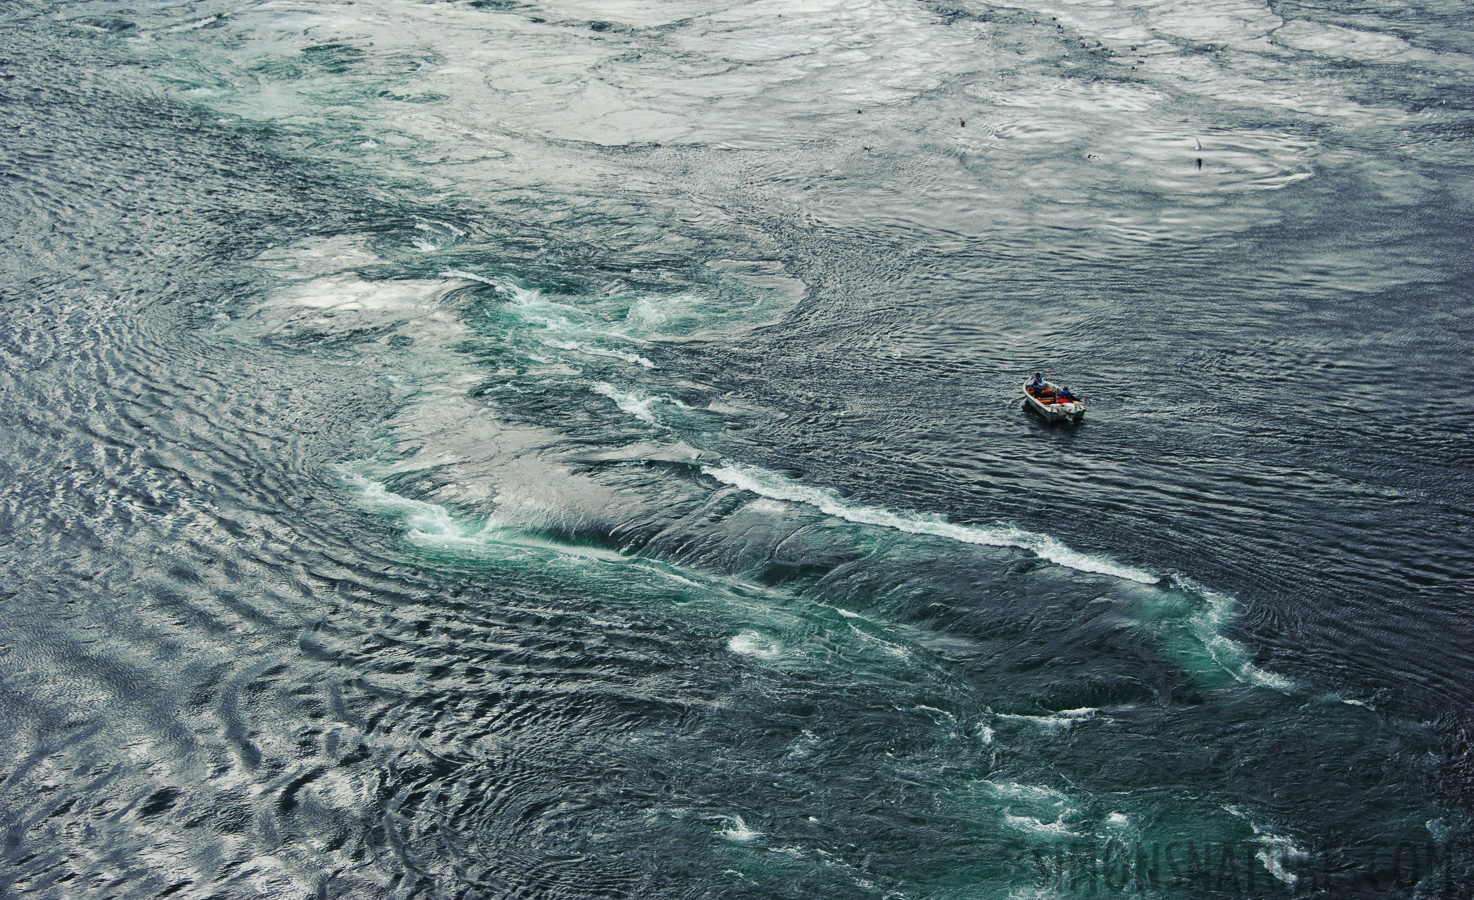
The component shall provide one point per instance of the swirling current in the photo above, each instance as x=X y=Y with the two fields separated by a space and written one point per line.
x=569 y=449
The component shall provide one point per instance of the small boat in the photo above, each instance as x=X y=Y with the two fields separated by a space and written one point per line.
x=1054 y=402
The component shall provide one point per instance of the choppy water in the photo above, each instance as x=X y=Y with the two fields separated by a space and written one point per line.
x=564 y=450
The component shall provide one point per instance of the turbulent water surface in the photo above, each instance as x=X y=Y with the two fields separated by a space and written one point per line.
x=573 y=449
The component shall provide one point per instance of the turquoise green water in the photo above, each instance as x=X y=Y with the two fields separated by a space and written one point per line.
x=490 y=449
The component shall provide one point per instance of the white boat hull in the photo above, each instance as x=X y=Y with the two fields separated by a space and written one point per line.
x=1055 y=411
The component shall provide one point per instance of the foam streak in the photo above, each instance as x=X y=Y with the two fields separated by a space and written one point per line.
x=777 y=487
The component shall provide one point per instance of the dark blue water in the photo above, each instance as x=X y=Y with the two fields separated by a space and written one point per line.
x=497 y=449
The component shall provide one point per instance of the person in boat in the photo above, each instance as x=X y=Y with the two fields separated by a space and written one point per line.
x=1065 y=396
x=1037 y=384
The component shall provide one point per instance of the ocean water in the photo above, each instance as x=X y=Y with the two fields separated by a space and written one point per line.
x=569 y=449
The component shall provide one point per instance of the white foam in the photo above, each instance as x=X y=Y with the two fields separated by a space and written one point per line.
x=566 y=327
x=777 y=487
x=1440 y=830
x=431 y=224
x=1043 y=802
x=472 y=276
x=433 y=525
x=750 y=643
x=650 y=313
x=1038 y=795
x=1055 y=722
x=738 y=831
x=1229 y=654
x=632 y=403
x=803 y=747
x=350 y=292
x=932 y=709
x=1274 y=851
x=425 y=519
x=590 y=350
x=665 y=573
x=1276 y=865
x=637 y=403
x=198 y=23
x=895 y=650
x=1031 y=825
